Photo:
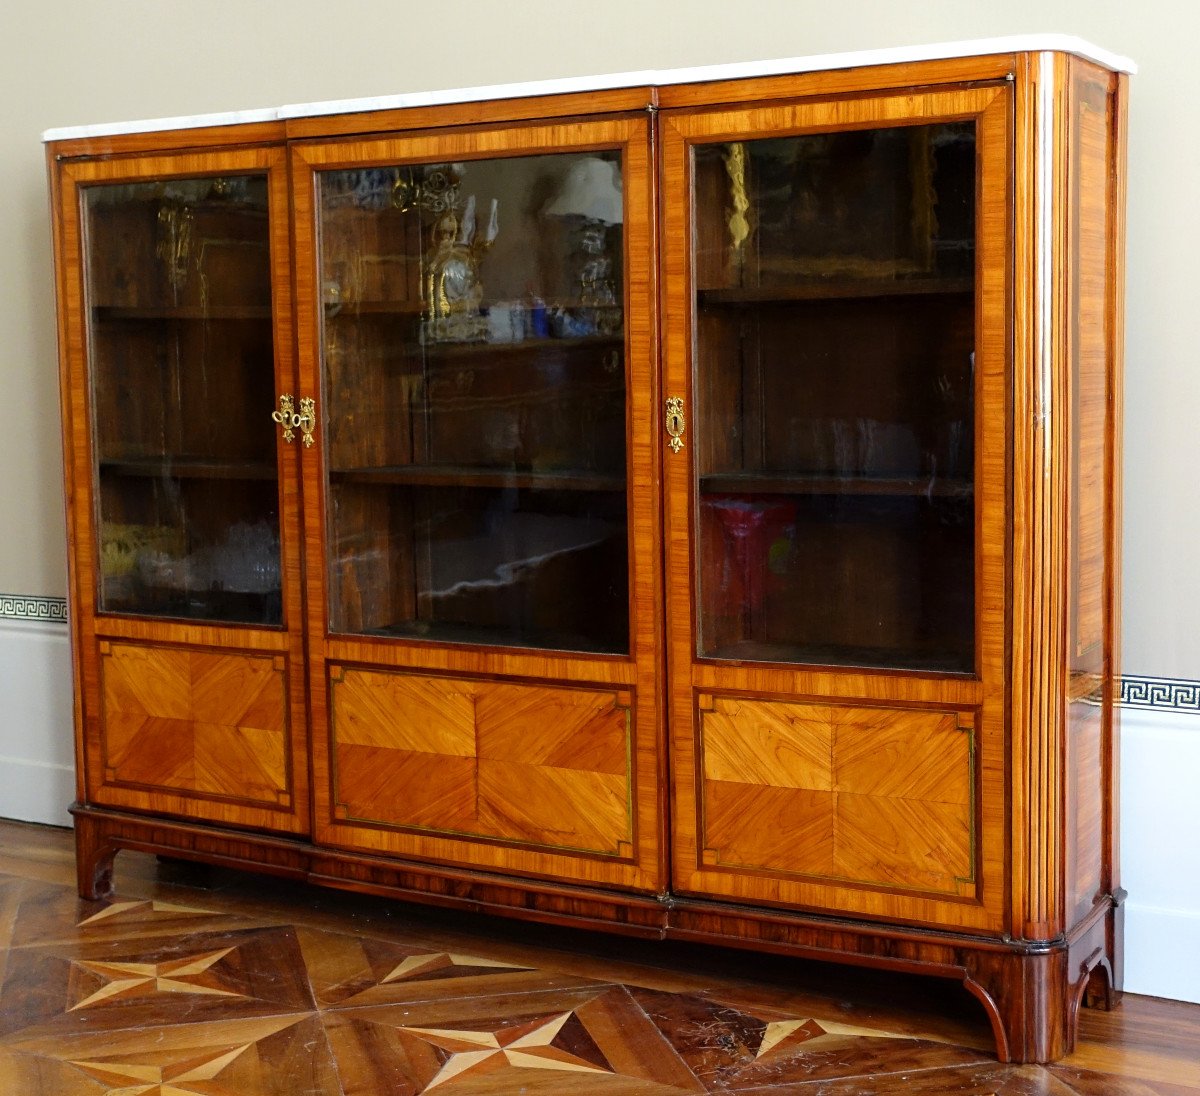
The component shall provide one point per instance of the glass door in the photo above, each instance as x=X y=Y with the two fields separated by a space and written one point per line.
x=834 y=396
x=485 y=606
x=178 y=276
x=836 y=360
x=474 y=384
x=179 y=300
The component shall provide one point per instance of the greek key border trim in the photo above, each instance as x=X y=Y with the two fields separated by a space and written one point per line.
x=1160 y=694
x=33 y=607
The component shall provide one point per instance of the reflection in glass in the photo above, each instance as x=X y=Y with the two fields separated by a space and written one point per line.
x=474 y=370
x=182 y=372
x=835 y=395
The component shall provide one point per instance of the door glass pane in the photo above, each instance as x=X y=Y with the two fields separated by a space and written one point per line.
x=835 y=305
x=474 y=376
x=182 y=375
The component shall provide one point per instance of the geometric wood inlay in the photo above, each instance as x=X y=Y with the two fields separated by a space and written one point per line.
x=191 y=974
x=879 y=796
x=529 y=1044
x=359 y=1001
x=525 y=764
x=196 y=722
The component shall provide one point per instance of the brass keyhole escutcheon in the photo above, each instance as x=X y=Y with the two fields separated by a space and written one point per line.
x=286 y=417
x=305 y=421
x=676 y=424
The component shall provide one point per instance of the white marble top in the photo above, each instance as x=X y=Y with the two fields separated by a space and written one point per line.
x=1029 y=43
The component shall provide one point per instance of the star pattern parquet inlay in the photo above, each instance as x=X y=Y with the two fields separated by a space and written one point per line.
x=189 y=974
x=179 y=992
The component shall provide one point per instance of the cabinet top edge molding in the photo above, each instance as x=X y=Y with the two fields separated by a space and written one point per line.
x=1025 y=43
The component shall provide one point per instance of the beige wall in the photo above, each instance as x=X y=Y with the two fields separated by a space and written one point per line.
x=78 y=62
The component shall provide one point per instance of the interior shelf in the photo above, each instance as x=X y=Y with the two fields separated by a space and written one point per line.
x=767 y=483
x=929 y=660
x=401 y=310
x=335 y=308
x=416 y=306
x=445 y=475
x=523 y=346
x=189 y=468
x=102 y=313
x=837 y=289
x=478 y=635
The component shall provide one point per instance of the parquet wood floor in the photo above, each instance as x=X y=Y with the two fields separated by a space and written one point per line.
x=198 y=983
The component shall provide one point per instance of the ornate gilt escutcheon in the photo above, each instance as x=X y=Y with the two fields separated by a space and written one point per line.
x=287 y=417
x=307 y=419
x=676 y=423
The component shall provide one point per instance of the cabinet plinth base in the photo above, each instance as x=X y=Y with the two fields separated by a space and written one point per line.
x=1031 y=991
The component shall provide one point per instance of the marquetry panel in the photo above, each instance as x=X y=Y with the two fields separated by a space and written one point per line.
x=876 y=796
x=528 y=764
x=196 y=722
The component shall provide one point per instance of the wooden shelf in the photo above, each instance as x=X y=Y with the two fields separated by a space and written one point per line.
x=837 y=289
x=189 y=468
x=766 y=483
x=525 y=346
x=111 y=313
x=921 y=658
x=373 y=308
x=492 y=637
x=386 y=310
x=417 y=307
x=445 y=475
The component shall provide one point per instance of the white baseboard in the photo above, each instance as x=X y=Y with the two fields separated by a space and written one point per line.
x=37 y=738
x=1162 y=952
x=31 y=791
x=1160 y=851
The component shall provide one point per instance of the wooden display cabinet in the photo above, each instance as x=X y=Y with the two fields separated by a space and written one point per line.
x=699 y=521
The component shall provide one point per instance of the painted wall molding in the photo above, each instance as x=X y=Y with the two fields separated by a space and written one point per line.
x=1162 y=694
x=32 y=607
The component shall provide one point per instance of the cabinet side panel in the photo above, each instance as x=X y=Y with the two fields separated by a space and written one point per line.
x=1090 y=329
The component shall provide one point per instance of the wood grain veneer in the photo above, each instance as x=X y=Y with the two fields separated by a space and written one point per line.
x=879 y=796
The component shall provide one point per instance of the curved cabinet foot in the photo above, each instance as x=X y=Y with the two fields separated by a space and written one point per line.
x=1106 y=978
x=1025 y=996
x=94 y=856
x=1033 y=997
